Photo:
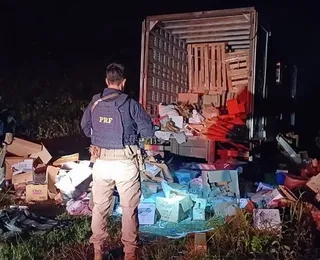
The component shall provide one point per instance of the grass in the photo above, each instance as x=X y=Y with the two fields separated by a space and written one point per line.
x=45 y=246
x=6 y=199
x=236 y=239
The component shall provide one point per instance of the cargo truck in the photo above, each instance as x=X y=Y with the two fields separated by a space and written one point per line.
x=180 y=53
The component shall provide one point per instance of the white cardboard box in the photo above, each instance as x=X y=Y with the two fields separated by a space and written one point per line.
x=146 y=213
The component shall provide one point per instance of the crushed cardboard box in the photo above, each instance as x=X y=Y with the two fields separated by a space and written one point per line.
x=156 y=172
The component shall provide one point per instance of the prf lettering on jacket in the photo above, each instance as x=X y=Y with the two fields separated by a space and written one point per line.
x=105 y=120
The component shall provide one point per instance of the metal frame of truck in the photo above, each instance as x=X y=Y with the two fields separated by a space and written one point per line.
x=238 y=27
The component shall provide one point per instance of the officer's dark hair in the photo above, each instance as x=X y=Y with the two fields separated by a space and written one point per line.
x=115 y=73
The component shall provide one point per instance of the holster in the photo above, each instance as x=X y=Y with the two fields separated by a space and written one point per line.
x=95 y=152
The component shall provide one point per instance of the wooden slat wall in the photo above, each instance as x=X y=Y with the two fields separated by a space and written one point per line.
x=213 y=71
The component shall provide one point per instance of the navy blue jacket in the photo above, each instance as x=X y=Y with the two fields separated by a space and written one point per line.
x=142 y=123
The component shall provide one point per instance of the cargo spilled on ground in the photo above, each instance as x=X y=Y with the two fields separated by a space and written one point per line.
x=239 y=219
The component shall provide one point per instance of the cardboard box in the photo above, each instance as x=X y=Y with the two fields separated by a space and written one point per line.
x=174 y=189
x=41 y=168
x=221 y=177
x=314 y=183
x=22 y=178
x=209 y=100
x=267 y=219
x=199 y=209
x=188 y=98
x=164 y=173
x=148 y=188
x=272 y=197
x=179 y=187
x=243 y=203
x=10 y=161
x=225 y=208
x=178 y=121
x=65 y=159
x=174 y=209
x=36 y=192
x=51 y=175
x=22 y=147
x=147 y=212
x=24 y=165
x=25 y=148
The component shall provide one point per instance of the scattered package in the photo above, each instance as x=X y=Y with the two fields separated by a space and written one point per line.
x=191 y=192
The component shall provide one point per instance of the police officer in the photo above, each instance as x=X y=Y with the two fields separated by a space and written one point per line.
x=7 y=129
x=114 y=123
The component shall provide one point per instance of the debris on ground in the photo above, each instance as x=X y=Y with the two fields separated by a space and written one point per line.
x=176 y=201
x=19 y=220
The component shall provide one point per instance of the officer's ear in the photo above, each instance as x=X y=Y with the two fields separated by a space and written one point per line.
x=123 y=83
x=107 y=82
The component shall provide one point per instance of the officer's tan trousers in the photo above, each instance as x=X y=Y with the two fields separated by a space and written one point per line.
x=106 y=175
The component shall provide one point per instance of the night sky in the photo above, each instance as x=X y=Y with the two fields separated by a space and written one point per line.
x=52 y=39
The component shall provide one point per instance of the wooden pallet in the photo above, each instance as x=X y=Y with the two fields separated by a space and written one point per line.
x=237 y=71
x=207 y=68
x=215 y=73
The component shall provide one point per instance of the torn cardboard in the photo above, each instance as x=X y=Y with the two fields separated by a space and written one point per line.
x=224 y=206
x=66 y=159
x=227 y=178
x=314 y=183
x=25 y=148
x=163 y=174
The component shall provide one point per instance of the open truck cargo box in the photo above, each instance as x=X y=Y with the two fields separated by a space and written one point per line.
x=212 y=53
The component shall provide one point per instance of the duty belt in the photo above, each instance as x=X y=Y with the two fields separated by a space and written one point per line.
x=113 y=154
x=129 y=152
